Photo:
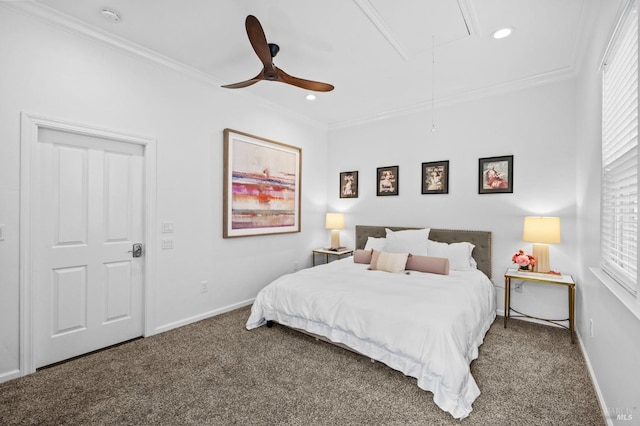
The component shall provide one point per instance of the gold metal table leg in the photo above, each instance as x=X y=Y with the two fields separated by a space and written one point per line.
x=507 y=299
x=572 y=309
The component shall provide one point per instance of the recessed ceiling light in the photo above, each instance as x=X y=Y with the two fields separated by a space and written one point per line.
x=502 y=33
x=110 y=15
x=310 y=97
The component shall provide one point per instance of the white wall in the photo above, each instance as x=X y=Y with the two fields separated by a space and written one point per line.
x=51 y=72
x=554 y=133
x=535 y=125
x=614 y=349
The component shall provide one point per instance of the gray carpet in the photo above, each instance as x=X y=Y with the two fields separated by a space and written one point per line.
x=215 y=372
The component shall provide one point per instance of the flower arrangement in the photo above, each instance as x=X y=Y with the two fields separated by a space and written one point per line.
x=525 y=261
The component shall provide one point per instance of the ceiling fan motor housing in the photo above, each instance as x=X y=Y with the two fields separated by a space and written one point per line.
x=274 y=49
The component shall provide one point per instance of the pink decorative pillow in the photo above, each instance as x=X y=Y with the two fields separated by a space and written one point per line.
x=362 y=256
x=388 y=262
x=435 y=265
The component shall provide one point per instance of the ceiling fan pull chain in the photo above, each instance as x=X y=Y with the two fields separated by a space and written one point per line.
x=433 y=84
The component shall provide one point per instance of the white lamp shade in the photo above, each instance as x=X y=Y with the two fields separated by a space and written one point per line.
x=334 y=221
x=544 y=230
x=541 y=231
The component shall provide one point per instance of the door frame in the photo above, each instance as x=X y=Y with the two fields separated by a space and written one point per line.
x=30 y=124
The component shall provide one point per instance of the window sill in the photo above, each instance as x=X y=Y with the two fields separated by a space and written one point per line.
x=628 y=300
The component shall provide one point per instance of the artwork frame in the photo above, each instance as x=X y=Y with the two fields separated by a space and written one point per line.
x=435 y=177
x=349 y=184
x=388 y=181
x=261 y=186
x=495 y=175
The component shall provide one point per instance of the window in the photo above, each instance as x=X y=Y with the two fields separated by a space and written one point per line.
x=619 y=201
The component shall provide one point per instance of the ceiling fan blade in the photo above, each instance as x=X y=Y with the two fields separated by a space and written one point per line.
x=258 y=41
x=246 y=83
x=266 y=52
x=316 y=86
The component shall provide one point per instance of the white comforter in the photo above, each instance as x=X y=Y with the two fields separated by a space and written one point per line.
x=427 y=326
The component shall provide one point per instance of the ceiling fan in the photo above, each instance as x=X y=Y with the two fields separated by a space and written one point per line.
x=266 y=52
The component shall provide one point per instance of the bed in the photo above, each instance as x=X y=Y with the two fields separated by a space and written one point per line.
x=427 y=325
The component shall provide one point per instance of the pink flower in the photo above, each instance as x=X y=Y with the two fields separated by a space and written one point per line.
x=523 y=259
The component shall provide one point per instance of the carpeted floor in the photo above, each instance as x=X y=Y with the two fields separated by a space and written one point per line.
x=215 y=372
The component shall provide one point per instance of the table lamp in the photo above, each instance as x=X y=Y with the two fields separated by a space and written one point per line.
x=541 y=231
x=335 y=222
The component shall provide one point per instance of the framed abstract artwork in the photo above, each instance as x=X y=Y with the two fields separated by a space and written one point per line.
x=261 y=186
x=495 y=175
x=435 y=177
x=387 y=183
x=349 y=185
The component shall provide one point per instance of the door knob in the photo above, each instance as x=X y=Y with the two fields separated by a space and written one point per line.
x=136 y=250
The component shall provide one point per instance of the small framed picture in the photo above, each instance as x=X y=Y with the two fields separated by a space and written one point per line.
x=387 y=181
x=349 y=185
x=495 y=175
x=435 y=177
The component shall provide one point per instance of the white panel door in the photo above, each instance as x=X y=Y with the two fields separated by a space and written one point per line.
x=89 y=213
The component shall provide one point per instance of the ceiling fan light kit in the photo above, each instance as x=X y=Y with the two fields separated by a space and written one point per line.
x=266 y=52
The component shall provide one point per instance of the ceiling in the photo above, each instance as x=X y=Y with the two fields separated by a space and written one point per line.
x=378 y=53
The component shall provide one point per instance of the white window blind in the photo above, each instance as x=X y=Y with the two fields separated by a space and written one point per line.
x=619 y=202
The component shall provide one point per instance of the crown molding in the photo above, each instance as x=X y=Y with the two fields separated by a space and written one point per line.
x=461 y=97
x=581 y=45
x=57 y=19
x=66 y=23
x=61 y=21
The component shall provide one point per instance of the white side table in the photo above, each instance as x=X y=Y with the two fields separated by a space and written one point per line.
x=563 y=279
x=342 y=251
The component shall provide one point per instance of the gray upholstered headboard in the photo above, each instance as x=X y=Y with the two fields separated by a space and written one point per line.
x=481 y=239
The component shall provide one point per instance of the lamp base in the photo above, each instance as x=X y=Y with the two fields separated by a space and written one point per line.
x=335 y=238
x=541 y=254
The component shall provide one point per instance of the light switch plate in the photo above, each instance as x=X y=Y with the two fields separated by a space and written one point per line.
x=167 y=227
x=167 y=243
x=2 y=232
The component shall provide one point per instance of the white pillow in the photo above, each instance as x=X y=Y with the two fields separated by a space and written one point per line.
x=412 y=241
x=375 y=243
x=388 y=262
x=459 y=254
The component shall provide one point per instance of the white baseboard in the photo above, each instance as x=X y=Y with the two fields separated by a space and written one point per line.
x=9 y=375
x=594 y=380
x=584 y=355
x=14 y=374
x=203 y=316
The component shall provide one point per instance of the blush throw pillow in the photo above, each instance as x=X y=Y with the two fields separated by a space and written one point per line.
x=412 y=241
x=434 y=265
x=362 y=256
x=388 y=262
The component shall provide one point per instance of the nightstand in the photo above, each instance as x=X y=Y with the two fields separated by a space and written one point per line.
x=565 y=280
x=342 y=251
